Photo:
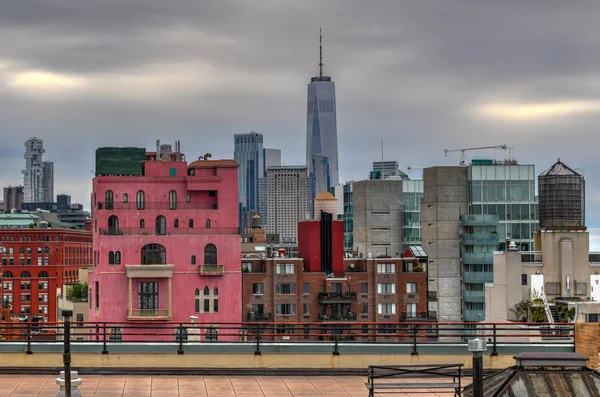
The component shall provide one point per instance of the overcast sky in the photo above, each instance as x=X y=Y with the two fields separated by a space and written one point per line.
x=422 y=75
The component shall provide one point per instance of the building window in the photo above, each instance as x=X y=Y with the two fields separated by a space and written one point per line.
x=285 y=308
x=154 y=254
x=284 y=268
x=386 y=308
x=306 y=288
x=208 y=223
x=552 y=288
x=188 y=198
x=386 y=328
x=411 y=288
x=115 y=335
x=523 y=279
x=140 y=200
x=113 y=225
x=386 y=268
x=580 y=288
x=191 y=223
x=197 y=300
x=161 y=225
x=29 y=249
x=306 y=308
x=118 y=258
x=210 y=254
x=386 y=288
x=211 y=335
x=181 y=334
x=22 y=250
x=148 y=297
x=25 y=274
x=97 y=290
x=258 y=289
x=176 y=223
x=193 y=259
x=411 y=310
x=212 y=193
x=364 y=308
x=111 y=258
x=285 y=289
x=125 y=198
x=593 y=318
x=108 y=198
x=7 y=275
x=142 y=224
x=364 y=288
x=39 y=250
x=172 y=200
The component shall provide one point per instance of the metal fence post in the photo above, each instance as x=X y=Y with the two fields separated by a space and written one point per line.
x=67 y=314
x=104 y=349
x=415 y=352
x=336 y=351
x=257 y=338
x=180 y=351
x=29 y=339
x=495 y=341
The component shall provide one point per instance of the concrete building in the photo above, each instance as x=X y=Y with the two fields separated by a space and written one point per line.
x=321 y=124
x=288 y=192
x=445 y=200
x=412 y=194
x=166 y=245
x=377 y=217
x=248 y=152
x=35 y=262
x=38 y=176
x=13 y=198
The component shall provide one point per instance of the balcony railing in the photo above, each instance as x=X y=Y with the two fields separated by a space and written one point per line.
x=254 y=316
x=478 y=277
x=330 y=298
x=480 y=239
x=479 y=220
x=158 y=205
x=532 y=257
x=211 y=270
x=413 y=315
x=136 y=231
x=478 y=258
x=350 y=317
x=149 y=313
x=474 y=296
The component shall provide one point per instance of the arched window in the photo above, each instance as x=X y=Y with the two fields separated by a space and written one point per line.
x=108 y=198
x=161 y=225
x=197 y=292
x=39 y=250
x=216 y=291
x=188 y=198
x=113 y=225
x=197 y=300
x=125 y=197
x=111 y=258
x=140 y=200
x=172 y=200
x=7 y=275
x=11 y=251
x=210 y=254
x=208 y=223
x=43 y=274
x=191 y=223
x=28 y=250
x=118 y=258
x=25 y=274
x=46 y=250
x=142 y=224
x=176 y=223
x=22 y=250
x=215 y=300
x=154 y=254
x=193 y=259
x=206 y=291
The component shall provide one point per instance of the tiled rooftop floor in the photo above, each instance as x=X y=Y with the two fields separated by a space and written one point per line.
x=198 y=386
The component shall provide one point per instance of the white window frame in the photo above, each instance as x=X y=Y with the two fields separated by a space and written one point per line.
x=386 y=268
x=386 y=288
x=386 y=308
x=411 y=288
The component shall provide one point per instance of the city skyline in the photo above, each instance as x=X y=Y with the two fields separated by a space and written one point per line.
x=423 y=77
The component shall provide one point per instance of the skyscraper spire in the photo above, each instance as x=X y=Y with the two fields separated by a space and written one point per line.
x=320 y=53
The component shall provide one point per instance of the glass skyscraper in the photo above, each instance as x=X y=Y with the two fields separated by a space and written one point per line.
x=248 y=152
x=321 y=128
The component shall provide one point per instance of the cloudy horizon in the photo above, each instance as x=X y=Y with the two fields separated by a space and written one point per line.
x=423 y=76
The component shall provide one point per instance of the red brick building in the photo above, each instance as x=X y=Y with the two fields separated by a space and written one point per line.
x=34 y=262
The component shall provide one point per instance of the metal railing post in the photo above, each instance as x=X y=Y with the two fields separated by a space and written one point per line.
x=415 y=352
x=104 y=349
x=336 y=351
x=257 y=338
x=29 y=339
x=67 y=314
x=494 y=340
x=180 y=351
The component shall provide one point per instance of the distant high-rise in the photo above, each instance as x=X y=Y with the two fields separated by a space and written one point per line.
x=38 y=176
x=248 y=152
x=321 y=128
x=13 y=198
x=387 y=169
x=271 y=158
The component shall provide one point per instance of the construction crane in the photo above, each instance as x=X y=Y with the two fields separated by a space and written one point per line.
x=462 y=151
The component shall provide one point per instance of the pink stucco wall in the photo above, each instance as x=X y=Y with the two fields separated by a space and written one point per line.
x=180 y=243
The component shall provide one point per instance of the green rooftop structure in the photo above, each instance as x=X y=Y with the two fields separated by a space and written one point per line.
x=123 y=161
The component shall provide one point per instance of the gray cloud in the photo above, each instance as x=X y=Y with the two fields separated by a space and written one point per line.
x=413 y=73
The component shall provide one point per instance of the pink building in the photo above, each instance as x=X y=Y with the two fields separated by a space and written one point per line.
x=166 y=245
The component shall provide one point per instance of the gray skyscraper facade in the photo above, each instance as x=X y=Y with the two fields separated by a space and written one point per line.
x=38 y=176
x=321 y=126
x=248 y=152
x=271 y=158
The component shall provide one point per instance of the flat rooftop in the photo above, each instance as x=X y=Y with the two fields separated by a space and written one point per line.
x=199 y=386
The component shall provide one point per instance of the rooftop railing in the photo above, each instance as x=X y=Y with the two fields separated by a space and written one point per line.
x=532 y=257
x=158 y=205
x=168 y=231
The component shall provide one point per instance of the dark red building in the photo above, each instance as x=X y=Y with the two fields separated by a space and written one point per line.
x=321 y=245
x=35 y=262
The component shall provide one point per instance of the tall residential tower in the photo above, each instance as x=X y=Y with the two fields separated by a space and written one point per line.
x=321 y=129
x=38 y=175
x=248 y=152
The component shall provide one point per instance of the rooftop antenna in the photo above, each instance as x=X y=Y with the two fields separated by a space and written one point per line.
x=320 y=53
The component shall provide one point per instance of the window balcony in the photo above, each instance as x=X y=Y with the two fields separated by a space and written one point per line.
x=480 y=239
x=331 y=298
x=478 y=277
x=474 y=296
x=478 y=258
x=211 y=270
x=149 y=314
x=254 y=316
x=480 y=220
x=151 y=231
x=158 y=205
x=351 y=316
x=409 y=316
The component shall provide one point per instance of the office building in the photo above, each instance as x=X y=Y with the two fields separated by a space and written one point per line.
x=321 y=127
x=377 y=217
x=344 y=198
x=35 y=262
x=249 y=154
x=387 y=169
x=38 y=176
x=321 y=181
x=63 y=201
x=288 y=198
x=166 y=245
x=272 y=158
x=13 y=198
